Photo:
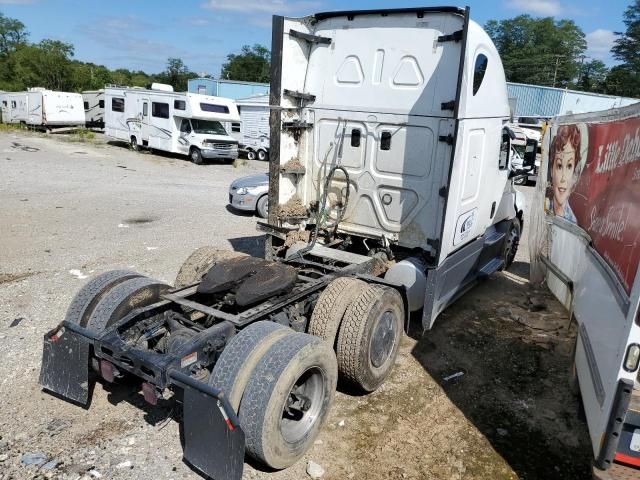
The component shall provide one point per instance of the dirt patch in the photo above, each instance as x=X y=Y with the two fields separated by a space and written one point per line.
x=14 y=277
x=297 y=236
x=293 y=208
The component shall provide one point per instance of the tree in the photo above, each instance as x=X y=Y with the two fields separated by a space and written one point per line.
x=593 y=76
x=176 y=74
x=13 y=34
x=253 y=64
x=542 y=51
x=624 y=79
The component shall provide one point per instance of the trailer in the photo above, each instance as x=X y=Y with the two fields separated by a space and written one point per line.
x=254 y=112
x=161 y=119
x=39 y=107
x=93 y=108
x=390 y=192
x=585 y=230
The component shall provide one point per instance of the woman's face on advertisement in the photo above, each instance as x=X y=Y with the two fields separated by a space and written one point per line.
x=564 y=165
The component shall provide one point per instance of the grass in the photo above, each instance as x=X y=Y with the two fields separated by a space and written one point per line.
x=12 y=127
x=82 y=135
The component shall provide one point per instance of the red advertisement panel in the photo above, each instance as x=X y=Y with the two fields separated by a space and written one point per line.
x=594 y=181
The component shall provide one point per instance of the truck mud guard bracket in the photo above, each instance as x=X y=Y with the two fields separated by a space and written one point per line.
x=614 y=426
x=309 y=38
x=453 y=37
x=307 y=97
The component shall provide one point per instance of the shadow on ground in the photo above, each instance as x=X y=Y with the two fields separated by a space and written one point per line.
x=502 y=355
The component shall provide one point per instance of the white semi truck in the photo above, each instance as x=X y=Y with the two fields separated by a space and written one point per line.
x=390 y=192
x=186 y=123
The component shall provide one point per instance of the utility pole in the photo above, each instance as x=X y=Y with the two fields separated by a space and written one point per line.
x=555 y=72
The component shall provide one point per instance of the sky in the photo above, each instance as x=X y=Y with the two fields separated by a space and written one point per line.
x=142 y=34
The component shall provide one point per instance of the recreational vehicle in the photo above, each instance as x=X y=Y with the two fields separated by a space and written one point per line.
x=390 y=192
x=184 y=123
x=254 y=112
x=94 y=108
x=41 y=107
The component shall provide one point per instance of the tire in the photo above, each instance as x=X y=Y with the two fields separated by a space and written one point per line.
x=122 y=299
x=240 y=357
x=263 y=155
x=199 y=263
x=297 y=361
x=369 y=337
x=331 y=307
x=88 y=297
x=251 y=155
x=134 y=144
x=262 y=207
x=195 y=155
x=511 y=243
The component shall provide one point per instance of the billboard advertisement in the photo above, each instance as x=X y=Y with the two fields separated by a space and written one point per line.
x=593 y=181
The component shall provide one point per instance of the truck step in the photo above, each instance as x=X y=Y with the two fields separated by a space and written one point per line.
x=493 y=238
x=490 y=267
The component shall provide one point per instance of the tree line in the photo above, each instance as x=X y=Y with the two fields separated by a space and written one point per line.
x=538 y=51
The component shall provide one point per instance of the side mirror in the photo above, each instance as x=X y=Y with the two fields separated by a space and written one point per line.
x=530 y=153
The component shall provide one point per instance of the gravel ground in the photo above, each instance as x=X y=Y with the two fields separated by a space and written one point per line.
x=72 y=210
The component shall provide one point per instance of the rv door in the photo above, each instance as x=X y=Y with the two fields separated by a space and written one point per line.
x=144 y=124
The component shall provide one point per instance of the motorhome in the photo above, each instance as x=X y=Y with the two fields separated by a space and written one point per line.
x=161 y=119
x=585 y=229
x=390 y=192
x=93 y=108
x=42 y=107
x=254 y=112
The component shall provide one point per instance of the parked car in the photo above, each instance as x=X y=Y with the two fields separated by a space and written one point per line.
x=250 y=194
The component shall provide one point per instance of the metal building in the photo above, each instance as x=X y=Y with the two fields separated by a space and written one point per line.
x=227 y=88
x=537 y=101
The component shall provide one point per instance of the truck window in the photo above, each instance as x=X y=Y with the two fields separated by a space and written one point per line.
x=117 y=104
x=160 y=110
x=212 y=107
x=179 y=104
x=210 y=127
x=479 y=71
x=185 y=126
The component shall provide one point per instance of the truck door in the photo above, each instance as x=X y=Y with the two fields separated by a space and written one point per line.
x=144 y=124
x=183 y=139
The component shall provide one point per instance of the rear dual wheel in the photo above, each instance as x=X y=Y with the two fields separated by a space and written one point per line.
x=282 y=384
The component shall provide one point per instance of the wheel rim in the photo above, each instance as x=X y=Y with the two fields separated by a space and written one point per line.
x=383 y=339
x=512 y=244
x=303 y=405
x=265 y=209
x=251 y=155
x=194 y=155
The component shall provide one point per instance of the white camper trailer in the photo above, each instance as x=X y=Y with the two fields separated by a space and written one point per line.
x=254 y=113
x=41 y=107
x=94 y=108
x=185 y=123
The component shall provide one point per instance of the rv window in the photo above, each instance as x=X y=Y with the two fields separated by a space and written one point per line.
x=385 y=141
x=4 y=103
x=101 y=103
x=145 y=109
x=210 y=127
x=235 y=127
x=13 y=104
x=185 y=126
x=86 y=105
x=179 y=104
x=479 y=71
x=160 y=110
x=211 y=107
x=117 y=104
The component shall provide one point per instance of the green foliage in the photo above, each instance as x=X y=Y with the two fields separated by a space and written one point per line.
x=624 y=79
x=541 y=51
x=50 y=64
x=253 y=64
x=592 y=77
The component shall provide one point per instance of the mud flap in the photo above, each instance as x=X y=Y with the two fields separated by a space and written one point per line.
x=213 y=439
x=65 y=364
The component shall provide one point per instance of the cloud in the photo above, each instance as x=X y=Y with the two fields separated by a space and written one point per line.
x=537 y=7
x=262 y=6
x=599 y=43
